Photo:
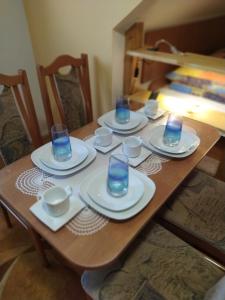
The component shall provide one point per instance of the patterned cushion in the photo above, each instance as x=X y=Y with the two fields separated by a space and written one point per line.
x=199 y=207
x=72 y=99
x=158 y=266
x=198 y=82
x=14 y=142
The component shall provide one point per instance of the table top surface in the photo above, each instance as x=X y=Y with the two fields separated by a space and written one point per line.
x=197 y=108
x=103 y=247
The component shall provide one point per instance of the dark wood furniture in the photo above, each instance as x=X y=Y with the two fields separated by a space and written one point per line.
x=202 y=37
x=50 y=71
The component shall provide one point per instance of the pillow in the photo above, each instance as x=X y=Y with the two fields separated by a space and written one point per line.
x=14 y=142
x=198 y=82
x=71 y=95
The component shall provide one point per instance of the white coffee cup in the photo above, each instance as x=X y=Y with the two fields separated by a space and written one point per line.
x=56 y=200
x=151 y=107
x=132 y=146
x=103 y=136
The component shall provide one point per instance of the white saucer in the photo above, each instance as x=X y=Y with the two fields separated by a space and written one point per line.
x=135 y=161
x=79 y=154
x=115 y=142
x=149 y=190
x=187 y=141
x=98 y=192
x=55 y=223
x=36 y=154
x=160 y=113
x=134 y=121
x=143 y=123
x=167 y=154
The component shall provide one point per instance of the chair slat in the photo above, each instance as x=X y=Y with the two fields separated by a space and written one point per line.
x=81 y=65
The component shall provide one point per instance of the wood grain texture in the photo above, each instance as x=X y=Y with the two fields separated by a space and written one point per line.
x=133 y=40
x=105 y=246
x=203 y=37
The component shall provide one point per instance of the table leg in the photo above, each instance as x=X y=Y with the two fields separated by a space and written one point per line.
x=6 y=216
x=39 y=246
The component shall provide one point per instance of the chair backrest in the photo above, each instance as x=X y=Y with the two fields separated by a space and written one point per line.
x=71 y=91
x=19 y=128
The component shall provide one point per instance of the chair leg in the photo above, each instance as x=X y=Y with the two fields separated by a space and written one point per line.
x=39 y=246
x=6 y=216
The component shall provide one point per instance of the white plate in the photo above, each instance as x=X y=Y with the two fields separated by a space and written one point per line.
x=144 y=122
x=79 y=154
x=149 y=190
x=55 y=223
x=188 y=140
x=167 y=154
x=160 y=113
x=98 y=192
x=135 y=161
x=36 y=154
x=135 y=120
x=115 y=142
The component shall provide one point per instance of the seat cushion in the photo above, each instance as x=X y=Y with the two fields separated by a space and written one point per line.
x=199 y=207
x=72 y=99
x=14 y=141
x=157 y=266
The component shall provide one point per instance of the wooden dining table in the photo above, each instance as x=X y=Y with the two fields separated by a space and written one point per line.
x=106 y=245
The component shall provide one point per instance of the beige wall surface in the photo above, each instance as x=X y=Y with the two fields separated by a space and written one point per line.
x=76 y=26
x=16 y=49
x=97 y=27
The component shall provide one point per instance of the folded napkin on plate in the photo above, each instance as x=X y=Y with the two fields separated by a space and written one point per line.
x=217 y=292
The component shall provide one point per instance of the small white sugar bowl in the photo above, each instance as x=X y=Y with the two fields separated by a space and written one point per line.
x=56 y=200
x=103 y=136
x=151 y=107
x=132 y=146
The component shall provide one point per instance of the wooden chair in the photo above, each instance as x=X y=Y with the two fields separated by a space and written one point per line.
x=196 y=213
x=19 y=133
x=71 y=91
x=16 y=102
x=158 y=265
x=20 y=89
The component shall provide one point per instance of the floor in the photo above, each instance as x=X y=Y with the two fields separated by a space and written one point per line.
x=22 y=277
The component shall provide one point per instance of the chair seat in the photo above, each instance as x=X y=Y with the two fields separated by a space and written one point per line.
x=157 y=266
x=198 y=207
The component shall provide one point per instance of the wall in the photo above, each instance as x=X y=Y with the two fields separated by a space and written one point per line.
x=16 y=49
x=97 y=27
x=76 y=26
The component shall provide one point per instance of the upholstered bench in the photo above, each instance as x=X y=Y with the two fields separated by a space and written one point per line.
x=157 y=266
x=198 y=209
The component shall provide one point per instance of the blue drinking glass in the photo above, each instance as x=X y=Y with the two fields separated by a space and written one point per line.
x=122 y=111
x=172 y=133
x=61 y=146
x=118 y=175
